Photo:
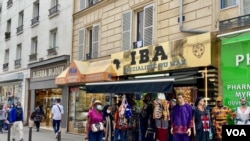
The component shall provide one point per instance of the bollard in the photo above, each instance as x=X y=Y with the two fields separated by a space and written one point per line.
x=30 y=133
x=9 y=130
x=59 y=136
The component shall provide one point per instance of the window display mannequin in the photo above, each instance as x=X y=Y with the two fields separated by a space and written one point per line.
x=181 y=120
x=161 y=116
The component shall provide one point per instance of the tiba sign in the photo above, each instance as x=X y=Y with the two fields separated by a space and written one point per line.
x=189 y=52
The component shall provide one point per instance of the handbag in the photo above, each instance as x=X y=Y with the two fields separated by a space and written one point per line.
x=95 y=127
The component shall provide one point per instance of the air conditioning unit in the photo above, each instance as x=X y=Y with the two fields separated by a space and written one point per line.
x=40 y=59
x=137 y=44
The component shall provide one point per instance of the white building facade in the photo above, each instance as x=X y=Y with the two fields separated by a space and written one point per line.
x=35 y=46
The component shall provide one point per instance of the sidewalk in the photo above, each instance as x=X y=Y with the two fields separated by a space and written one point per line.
x=44 y=135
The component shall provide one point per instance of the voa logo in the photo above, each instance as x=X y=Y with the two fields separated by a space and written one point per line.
x=236 y=132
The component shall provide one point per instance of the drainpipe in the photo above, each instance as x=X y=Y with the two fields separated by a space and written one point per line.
x=181 y=21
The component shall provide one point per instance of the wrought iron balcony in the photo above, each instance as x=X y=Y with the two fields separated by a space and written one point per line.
x=5 y=66
x=235 y=22
x=19 y=29
x=33 y=57
x=53 y=10
x=88 y=56
x=52 y=51
x=9 y=3
x=35 y=20
x=7 y=35
x=17 y=63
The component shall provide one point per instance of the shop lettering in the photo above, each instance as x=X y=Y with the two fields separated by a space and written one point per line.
x=242 y=94
x=236 y=132
x=238 y=87
x=48 y=72
x=240 y=58
x=144 y=55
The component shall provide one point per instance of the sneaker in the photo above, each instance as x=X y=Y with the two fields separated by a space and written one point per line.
x=13 y=139
x=56 y=135
x=21 y=139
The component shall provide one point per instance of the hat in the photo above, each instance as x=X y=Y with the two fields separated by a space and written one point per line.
x=219 y=98
x=198 y=99
x=97 y=102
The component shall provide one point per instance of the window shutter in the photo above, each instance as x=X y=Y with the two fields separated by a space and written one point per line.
x=126 y=30
x=148 y=27
x=81 y=41
x=82 y=4
x=95 y=41
x=246 y=4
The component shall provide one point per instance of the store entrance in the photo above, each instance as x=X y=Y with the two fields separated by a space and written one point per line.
x=46 y=98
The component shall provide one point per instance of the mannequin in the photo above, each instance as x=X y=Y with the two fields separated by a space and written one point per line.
x=161 y=116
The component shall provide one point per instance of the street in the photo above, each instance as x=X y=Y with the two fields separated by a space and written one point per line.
x=44 y=135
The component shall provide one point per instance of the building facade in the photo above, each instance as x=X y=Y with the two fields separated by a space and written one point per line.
x=234 y=24
x=35 y=45
x=124 y=33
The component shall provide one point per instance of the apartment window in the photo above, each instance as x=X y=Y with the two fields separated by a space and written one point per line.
x=89 y=42
x=54 y=8
x=18 y=55
x=87 y=3
x=53 y=42
x=227 y=3
x=35 y=18
x=33 y=51
x=6 y=60
x=246 y=5
x=8 y=30
x=9 y=3
x=143 y=25
x=20 y=22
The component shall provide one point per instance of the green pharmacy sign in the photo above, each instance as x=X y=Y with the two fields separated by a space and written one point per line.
x=235 y=68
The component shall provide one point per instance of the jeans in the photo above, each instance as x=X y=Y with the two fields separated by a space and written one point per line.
x=121 y=133
x=56 y=125
x=95 y=136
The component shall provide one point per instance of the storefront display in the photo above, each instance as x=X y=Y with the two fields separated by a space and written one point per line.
x=79 y=103
x=47 y=98
x=10 y=94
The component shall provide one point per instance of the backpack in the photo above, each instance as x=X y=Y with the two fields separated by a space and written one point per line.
x=32 y=116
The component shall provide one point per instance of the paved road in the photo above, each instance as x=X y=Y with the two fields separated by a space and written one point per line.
x=44 y=135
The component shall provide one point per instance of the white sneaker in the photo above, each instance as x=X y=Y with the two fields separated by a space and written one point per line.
x=56 y=135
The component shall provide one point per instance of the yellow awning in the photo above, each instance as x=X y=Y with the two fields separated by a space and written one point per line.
x=72 y=74
x=100 y=71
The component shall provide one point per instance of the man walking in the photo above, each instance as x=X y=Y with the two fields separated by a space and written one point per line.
x=16 y=118
x=56 y=115
x=243 y=113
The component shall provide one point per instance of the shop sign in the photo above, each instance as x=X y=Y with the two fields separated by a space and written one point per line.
x=48 y=72
x=235 y=61
x=189 y=52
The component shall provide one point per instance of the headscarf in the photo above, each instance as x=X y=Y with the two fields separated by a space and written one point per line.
x=198 y=99
x=105 y=114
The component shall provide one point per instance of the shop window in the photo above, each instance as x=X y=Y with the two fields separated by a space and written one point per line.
x=144 y=27
x=227 y=3
x=79 y=104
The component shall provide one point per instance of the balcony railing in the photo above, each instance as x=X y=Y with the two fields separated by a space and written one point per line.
x=33 y=57
x=53 y=10
x=88 y=56
x=235 y=22
x=5 y=66
x=7 y=35
x=52 y=51
x=19 y=29
x=17 y=63
x=35 y=20
x=9 y=3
